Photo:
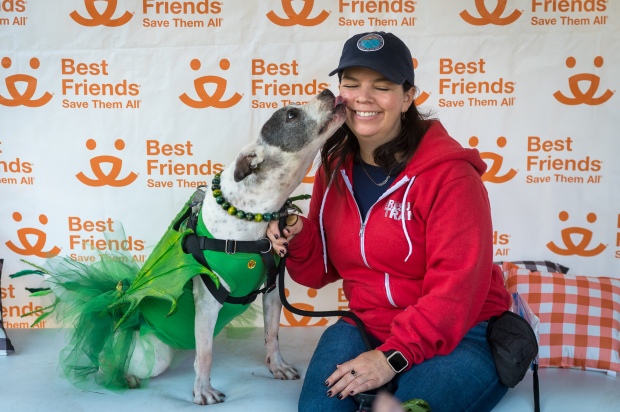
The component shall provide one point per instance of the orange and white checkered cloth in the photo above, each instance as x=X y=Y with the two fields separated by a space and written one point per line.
x=579 y=317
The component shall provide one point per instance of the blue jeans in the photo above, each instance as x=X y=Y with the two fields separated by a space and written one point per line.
x=464 y=380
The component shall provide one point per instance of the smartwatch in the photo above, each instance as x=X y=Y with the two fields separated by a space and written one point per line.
x=396 y=360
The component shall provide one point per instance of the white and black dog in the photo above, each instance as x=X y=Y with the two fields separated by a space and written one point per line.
x=265 y=174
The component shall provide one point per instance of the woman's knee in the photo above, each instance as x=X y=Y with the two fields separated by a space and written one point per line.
x=455 y=382
x=339 y=343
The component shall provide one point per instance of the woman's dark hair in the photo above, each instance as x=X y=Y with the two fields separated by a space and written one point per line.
x=392 y=156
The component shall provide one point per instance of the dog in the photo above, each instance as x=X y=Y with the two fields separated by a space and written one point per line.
x=265 y=174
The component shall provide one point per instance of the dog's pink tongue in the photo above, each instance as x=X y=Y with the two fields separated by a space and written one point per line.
x=339 y=100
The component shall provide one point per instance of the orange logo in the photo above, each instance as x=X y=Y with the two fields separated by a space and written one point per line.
x=305 y=320
x=423 y=96
x=573 y=83
x=206 y=100
x=103 y=179
x=491 y=175
x=487 y=17
x=308 y=178
x=99 y=19
x=586 y=238
x=301 y=18
x=25 y=98
x=27 y=248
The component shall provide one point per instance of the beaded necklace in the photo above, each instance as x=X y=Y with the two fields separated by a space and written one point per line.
x=250 y=217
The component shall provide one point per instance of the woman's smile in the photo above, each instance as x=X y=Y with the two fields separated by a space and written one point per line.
x=374 y=107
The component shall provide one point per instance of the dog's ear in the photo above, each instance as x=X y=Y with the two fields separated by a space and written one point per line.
x=248 y=160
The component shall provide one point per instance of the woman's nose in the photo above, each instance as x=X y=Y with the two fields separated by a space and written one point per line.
x=364 y=95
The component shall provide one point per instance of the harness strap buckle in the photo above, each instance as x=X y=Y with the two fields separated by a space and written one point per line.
x=270 y=246
x=230 y=247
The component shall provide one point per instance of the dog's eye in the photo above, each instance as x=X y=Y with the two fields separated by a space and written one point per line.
x=291 y=114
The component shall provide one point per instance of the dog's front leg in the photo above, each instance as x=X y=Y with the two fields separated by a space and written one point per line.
x=207 y=309
x=272 y=307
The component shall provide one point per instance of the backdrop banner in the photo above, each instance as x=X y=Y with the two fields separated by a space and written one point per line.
x=113 y=112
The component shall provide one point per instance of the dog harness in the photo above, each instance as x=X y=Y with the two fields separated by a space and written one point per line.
x=163 y=288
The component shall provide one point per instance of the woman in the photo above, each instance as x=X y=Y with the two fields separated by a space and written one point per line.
x=400 y=214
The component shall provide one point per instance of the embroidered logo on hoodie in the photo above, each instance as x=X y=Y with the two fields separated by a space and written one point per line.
x=394 y=210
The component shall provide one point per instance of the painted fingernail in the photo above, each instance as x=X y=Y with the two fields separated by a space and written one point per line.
x=326 y=383
x=339 y=396
x=286 y=244
x=351 y=393
x=329 y=393
x=276 y=236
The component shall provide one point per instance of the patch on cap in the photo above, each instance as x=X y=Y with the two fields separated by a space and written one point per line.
x=370 y=42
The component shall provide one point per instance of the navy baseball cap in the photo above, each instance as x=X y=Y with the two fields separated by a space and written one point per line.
x=380 y=51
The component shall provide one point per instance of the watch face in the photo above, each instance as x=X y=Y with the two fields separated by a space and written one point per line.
x=398 y=361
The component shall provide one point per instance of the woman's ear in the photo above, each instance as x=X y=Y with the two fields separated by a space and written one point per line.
x=409 y=98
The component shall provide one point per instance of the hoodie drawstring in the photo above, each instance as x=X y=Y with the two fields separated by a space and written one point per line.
x=322 y=230
x=402 y=218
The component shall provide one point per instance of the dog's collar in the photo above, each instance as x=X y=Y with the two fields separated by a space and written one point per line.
x=232 y=210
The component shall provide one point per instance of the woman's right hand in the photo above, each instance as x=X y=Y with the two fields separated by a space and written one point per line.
x=280 y=240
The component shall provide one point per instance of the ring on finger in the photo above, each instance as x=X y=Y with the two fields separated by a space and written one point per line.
x=291 y=219
x=353 y=372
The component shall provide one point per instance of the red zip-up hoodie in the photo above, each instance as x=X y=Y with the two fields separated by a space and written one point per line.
x=418 y=270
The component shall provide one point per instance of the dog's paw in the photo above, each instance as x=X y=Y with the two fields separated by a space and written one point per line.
x=208 y=396
x=132 y=381
x=283 y=371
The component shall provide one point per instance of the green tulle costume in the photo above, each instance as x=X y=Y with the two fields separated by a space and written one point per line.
x=112 y=301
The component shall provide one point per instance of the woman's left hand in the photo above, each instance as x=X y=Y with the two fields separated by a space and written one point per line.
x=368 y=371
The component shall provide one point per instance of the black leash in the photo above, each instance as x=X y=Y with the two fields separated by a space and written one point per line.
x=364 y=399
x=327 y=313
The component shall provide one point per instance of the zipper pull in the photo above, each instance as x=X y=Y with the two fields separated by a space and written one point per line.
x=362 y=229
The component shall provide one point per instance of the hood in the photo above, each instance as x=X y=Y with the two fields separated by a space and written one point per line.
x=438 y=147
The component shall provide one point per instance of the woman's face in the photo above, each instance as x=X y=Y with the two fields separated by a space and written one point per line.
x=374 y=105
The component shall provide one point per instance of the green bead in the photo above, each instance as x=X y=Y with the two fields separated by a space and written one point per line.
x=216 y=181
x=258 y=217
x=232 y=210
x=275 y=216
x=217 y=175
x=219 y=200
x=240 y=214
x=225 y=205
x=217 y=193
x=215 y=187
x=249 y=216
x=267 y=217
